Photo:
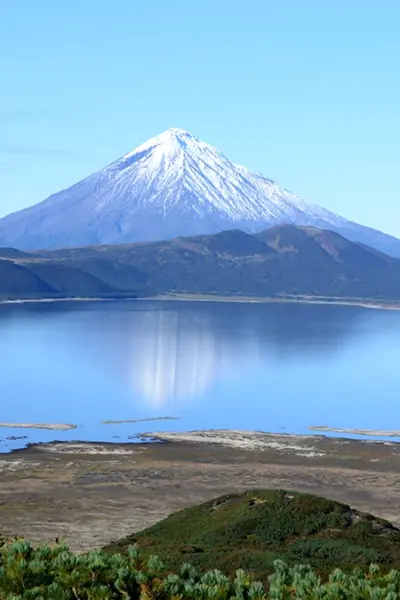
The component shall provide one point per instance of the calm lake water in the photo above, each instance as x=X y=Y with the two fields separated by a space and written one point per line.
x=267 y=367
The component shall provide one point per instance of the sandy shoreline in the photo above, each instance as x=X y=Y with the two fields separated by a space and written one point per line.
x=376 y=305
x=50 y=300
x=245 y=440
x=266 y=300
x=144 y=420
x=49 y=426
x=383 y=433
x=260 y=440
x=303 y=444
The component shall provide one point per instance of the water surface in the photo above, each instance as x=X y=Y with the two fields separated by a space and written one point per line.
x=270 y=367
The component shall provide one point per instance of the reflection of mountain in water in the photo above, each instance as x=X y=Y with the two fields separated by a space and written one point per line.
x=171 y=360
x=178 y=353
x=172 y=352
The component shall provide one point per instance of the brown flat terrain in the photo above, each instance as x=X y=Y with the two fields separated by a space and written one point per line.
x=92 y=494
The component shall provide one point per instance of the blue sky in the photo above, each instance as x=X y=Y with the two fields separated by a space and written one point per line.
x=305 y=91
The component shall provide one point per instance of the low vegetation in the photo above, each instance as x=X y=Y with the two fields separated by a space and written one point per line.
x=254 y=529
x=258 y=545
x=27 y=573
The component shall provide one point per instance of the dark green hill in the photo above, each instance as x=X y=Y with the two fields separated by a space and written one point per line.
x=117 y=275
x=235 y=243
x=16 y=280
x=33 y=277
x=323 y=246
x=253 y=529
x=12 y=253
x=281 y=261
x=68 y=279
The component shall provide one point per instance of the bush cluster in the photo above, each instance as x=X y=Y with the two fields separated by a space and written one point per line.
x=28 y=573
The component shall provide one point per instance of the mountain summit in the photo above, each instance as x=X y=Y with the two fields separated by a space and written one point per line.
x=172 y=185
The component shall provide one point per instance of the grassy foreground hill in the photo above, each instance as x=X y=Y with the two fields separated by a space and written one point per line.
x=253 y=529
x=229 y=548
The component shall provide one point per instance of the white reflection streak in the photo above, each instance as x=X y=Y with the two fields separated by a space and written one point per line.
x=174 y=360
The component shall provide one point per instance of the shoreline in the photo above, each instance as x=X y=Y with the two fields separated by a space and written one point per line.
x=93 y=493
x=261 y=440
x=67 y=299
x=373 y=304
x=46 y=426
x=246 y=440
x=382 y=433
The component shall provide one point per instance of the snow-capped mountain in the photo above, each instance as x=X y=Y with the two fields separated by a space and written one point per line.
x=172 y=185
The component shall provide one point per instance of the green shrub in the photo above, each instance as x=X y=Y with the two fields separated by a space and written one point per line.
x=339 y=551
x=44 y=573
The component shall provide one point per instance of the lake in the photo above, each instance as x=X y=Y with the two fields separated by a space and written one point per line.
x=270 y=367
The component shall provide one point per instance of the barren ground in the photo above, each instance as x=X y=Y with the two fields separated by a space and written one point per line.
x=92 y=494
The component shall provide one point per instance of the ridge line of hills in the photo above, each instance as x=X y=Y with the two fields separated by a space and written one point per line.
x=280 y=261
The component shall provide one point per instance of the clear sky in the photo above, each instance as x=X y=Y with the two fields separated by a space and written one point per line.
x=305 y=91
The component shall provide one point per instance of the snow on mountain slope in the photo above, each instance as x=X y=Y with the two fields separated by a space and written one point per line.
x=172 y=185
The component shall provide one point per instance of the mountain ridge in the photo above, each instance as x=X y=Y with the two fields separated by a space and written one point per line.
x=172 y=185
x=282 y=261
